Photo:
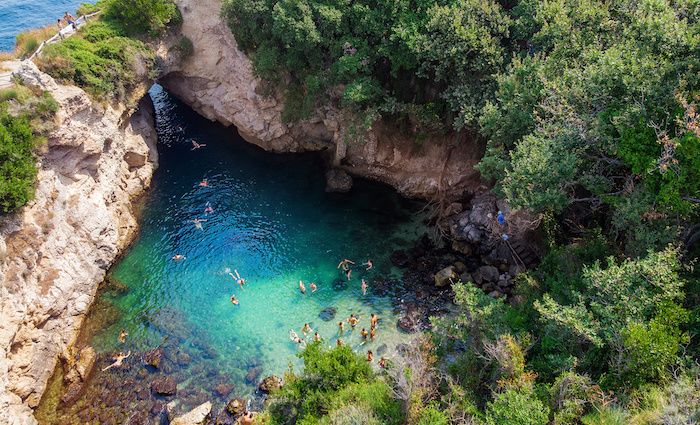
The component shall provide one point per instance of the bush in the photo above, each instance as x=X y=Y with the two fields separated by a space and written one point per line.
x=142 y=17
x=431 y=415
x=516 y=407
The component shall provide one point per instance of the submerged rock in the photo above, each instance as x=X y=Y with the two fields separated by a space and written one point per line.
x=338 y=180
x=270 y=384
x=196 y=416
x=152 y=358
x=223 y=389
x=164 y=385
x=253 y=374
x=327 y=314
x=236 y=407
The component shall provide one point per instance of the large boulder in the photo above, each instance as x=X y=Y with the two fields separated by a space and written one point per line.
x=445 y=276
x=486 y=274
x=270 y=384
x=196 y=416
x=236 y=407
x=164 y=385
x=338 y=181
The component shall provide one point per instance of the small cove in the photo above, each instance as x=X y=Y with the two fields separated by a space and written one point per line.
x=273 y=223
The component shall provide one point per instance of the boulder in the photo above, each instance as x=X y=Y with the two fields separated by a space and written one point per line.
x=253 y=374
x=164 y=385
x=152 y=358
x=270 y=384
x=236 y=407
x=407 y=323
x=486 y=274
x=223 y=389
x=81 y=367
x=196 y=416
x=327 y=314
x=443 y=277
x=460 y=267
x=338 y=181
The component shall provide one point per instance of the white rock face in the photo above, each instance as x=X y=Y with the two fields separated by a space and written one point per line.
x=218 y=82
x=196 y=416
x=56 y=250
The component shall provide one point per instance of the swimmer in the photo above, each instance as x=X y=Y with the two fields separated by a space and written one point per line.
x=117 y=360
x=382 y=362
x=196 y=145
x=122 y=336
x=369 y=264
x=302 y=288
x=345 y=264
x=247 y=419
x=364 y=333
x=237 y=277
x=348 y=272
x=317 y=337
x=339 y=343
x=294 y=337
x=234 y=300
x=208 y=209
x=306 y=329
x=353 y=320
x=198 y=223
x=204 y=183
x=341 y=327
x=178 y=257
x=374 y=319
x=364 y=287
x=372 y=333
x=370 y=355
x=313 y=287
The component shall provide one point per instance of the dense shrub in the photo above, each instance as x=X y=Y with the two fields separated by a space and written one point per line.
x=141 y=17
x=516 y=407
x=24 y=117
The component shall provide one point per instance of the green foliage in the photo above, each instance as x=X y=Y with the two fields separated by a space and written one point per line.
x=516 y=407
x=431 y=415
x=100 y=60
x=139 y=17
x=337 y=385
x=24 y=117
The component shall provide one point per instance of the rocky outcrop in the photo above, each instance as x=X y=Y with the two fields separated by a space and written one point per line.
x=56 y=250
x=218 y=81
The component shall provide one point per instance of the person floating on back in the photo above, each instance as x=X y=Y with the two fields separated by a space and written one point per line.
x=313 y=287
x=302 y=288
x=198 y=223
x=117 y=361
x=178 y=257
x=237 y=277
x=364 y=287
x=234 y=300
x=196 y=145
x=369 y=264
x=204 y=183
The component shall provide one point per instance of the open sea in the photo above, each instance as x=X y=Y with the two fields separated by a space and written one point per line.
x=19 y=15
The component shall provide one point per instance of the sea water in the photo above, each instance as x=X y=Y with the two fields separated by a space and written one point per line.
x=272 y=223
x=20 y=15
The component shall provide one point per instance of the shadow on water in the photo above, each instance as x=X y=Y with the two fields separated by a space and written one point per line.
x=265 y=216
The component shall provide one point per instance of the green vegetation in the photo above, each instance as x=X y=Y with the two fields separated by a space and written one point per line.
x=25 y=117
x=109 y=57
x=589 y=110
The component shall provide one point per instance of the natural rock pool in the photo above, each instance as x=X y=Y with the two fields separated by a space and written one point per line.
x=273 y=223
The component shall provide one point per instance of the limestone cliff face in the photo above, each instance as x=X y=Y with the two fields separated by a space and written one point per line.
x=217 y=80
x=56 y=250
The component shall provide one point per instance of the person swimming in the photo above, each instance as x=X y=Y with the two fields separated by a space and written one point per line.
x=382 y=362
x=208 y=209
x=204 y=183
x=237 y=278
x=364 y=287
x=295 y=337
x=372 y=333
x=370 y=356
x=196 y=145
x=234 y=300
x=122 y=336
x=353 y=320
x=178 y=257
x=374 y=319
x=369 y=264
x=345 y=266
x=118 y=359
x=198 y=223
x=341 y=327
x=313 y=287
x=339 y=342
x=306 y=329
x=364 y=333
x=302 y=288
x=317 y=337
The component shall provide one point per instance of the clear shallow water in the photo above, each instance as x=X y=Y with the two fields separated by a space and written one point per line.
x=19 y=15
x=275 y=225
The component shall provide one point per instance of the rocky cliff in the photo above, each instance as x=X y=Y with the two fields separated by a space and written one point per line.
x=56 y=250
x=217 y=80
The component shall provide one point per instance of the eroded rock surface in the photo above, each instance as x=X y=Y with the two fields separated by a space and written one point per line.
x=56 y=250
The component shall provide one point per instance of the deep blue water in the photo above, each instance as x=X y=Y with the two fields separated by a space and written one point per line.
x=19 y=15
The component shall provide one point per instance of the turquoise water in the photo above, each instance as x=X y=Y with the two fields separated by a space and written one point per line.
x=275 y=225
x=19 y=15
